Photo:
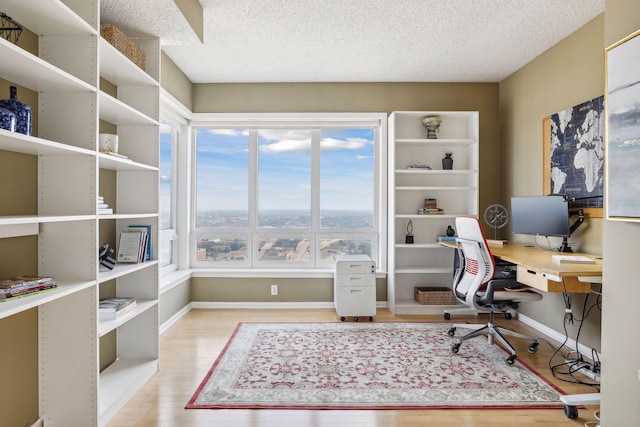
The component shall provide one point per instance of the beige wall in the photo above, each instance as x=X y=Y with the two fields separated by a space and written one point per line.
x=566 y=75
x=174 y=81
x=621 y=300
x=346 y=97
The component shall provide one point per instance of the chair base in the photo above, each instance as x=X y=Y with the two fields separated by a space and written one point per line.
x=493 y=332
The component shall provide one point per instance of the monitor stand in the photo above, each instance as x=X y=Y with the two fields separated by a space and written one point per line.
x=565 y=246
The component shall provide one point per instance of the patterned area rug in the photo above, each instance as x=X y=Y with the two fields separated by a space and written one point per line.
x=365 y=366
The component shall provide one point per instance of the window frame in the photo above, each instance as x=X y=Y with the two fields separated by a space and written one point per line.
x=313 y=121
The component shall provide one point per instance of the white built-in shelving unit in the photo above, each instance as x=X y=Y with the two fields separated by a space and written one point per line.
x=66 y=74
x=425 y=263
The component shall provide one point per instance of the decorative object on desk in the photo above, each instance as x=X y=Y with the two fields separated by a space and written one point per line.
x=409 y=237
x=120 y=41
x=7 y=120
x=496 y=216
x=447 y=161
x=393 y=365
x=105 y=257
x=9 y=29
x=450 y=231
x=623 y=142
x=20 y=109
x=432 y=123
x=108 y=143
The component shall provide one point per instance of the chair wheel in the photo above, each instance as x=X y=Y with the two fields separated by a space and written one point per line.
x=508 y=315
x=451 y=332
x=342 y=318
x=510 y=360
x=370 y=318
x=355 y=319
x=533 y=347
x=455 y=348
x=447 y=316
x=571 y=412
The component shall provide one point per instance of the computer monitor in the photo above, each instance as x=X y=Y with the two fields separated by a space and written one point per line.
x=540 y=216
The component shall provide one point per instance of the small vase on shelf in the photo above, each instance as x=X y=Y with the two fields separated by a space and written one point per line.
x=7 y=120
x=21 y=110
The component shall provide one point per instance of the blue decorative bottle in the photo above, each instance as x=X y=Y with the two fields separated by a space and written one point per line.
x=7 y=120
x=21 y=110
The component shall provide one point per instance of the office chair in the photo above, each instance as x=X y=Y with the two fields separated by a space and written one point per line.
x=486 y=289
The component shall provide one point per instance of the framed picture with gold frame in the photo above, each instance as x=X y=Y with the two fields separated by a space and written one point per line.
x=573 y=156
x=622 y=61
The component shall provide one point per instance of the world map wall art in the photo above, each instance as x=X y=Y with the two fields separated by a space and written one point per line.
x=623 y=129
x=577 y=154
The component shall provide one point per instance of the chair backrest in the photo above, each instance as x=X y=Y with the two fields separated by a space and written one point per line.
x=478 y=262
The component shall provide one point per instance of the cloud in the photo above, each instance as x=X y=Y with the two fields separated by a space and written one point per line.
x=287 y=145
x=228 y=132
x=343 y=144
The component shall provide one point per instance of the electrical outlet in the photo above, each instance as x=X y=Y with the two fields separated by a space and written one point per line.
x=274 y=289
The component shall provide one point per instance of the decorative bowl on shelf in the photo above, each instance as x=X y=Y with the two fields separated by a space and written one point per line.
x=432 y=123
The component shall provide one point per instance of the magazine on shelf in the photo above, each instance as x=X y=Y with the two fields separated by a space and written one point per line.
x=112 y=308
x=24 y=285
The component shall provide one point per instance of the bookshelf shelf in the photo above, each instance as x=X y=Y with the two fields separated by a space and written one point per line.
x=63 y=289
x=106 y=326
x=25 y=69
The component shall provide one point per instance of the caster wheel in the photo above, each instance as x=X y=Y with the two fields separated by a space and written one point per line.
x=455 y=348
x=451 y=332
x=533 y=347
x=342 y=318
x=571 y=412
x=370 y=318
x=510 y=360
x=447 y=316
x=355 y=319
x=508 y=316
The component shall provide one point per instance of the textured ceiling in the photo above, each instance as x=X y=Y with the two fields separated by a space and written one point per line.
x=355 y=40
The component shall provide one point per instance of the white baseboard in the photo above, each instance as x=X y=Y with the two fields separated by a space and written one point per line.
x=173 y=319
x=557 y=336
x=270 y=305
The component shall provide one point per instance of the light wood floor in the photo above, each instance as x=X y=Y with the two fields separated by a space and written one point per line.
x=189 y=348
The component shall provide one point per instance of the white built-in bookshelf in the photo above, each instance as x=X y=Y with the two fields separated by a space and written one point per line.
x=72 y=342
x=425 y=263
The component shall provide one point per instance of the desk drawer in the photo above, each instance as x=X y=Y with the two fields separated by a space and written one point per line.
x=536 y=280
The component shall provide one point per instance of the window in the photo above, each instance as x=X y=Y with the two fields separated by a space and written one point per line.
x=278 y=193
x=166 y=238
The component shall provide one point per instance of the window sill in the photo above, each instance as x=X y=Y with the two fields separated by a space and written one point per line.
x=270 y=273
x=173 y=279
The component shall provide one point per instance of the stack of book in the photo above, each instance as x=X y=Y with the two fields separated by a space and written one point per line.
x=431 y=208
x=23 y=286
x=112 y=308
x=135 y=244
x=103 y=208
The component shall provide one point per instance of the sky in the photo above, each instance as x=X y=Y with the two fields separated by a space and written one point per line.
x=284 y=169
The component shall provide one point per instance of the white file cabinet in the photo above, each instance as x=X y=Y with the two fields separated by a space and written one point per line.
x=354 y=287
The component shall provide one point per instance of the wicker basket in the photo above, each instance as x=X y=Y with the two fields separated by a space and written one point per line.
x=120 y=41
x=434 y=296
